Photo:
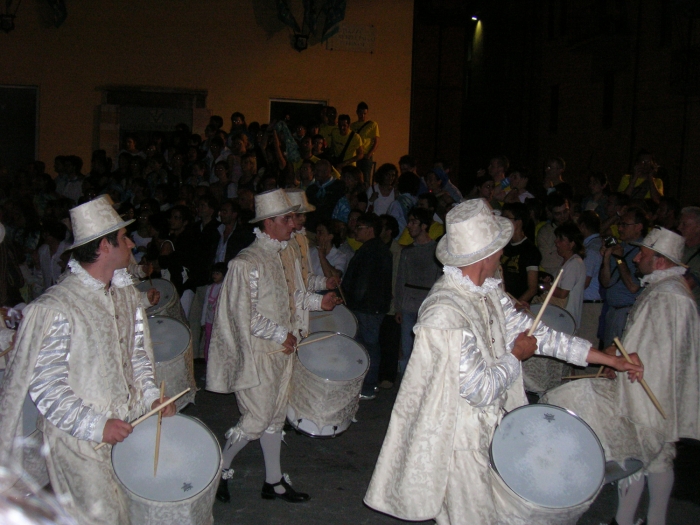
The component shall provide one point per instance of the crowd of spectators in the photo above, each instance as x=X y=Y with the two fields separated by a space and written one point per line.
x=375 y=227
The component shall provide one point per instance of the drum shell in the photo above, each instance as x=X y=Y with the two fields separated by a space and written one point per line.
x=541 y=373
x=514 y=510
x=178 y=373
x=196 y=510
x=322 y=401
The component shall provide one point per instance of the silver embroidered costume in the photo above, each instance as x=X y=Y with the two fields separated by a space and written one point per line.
x=434 y=462
x=84 y=355
x=253 y=319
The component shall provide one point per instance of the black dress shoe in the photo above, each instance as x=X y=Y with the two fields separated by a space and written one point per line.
x=289 y=494
x=222 y=493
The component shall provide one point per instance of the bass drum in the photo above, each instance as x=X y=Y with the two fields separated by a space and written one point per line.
x=340 y=320
x=189 y=468
x=548 y=466
x=325 y=388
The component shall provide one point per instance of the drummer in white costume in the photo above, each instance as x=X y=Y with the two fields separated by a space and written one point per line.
x=253 y=319
x=297 y=266
x=465 y=367
x=664 y=328
x=84 y=355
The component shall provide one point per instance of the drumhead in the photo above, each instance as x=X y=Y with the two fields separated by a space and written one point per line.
x=169 y=337
x=338 y=358
x=548 y=456
x=340 y=319
x=188 y=459
x=556 y=318
x=166 y=289
x=30 y=412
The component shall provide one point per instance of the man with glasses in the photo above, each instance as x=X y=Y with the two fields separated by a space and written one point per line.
x=617 y=274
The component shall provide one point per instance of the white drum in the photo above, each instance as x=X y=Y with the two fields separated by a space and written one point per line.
x=169 y=303
x=172 y=351
x=556 y=318
x=550 y=460
x=340 y=320
x=189 y=467
x=33 y=461
x=540 y=373
x=326 y=383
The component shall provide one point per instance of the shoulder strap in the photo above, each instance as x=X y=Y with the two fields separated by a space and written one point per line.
x=363 y=126
x=345 y=148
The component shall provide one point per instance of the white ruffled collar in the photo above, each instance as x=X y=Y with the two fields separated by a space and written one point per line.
x=269 y=242
x=490 y=284
x=120 y=279
x=660 y=275
x=301 y=232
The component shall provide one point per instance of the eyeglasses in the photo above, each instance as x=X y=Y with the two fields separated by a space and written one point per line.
x=362 y=227
x=627 y=224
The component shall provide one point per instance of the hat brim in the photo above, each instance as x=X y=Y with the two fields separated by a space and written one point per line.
x=275 y=214
x=450 y=259
x=306 y=209
x=672 y=259
x=114 y=228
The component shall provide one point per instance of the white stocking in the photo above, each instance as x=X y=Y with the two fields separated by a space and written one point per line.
x=272 y=446
x=233 y=446
x=629 y=492
x=660 y=486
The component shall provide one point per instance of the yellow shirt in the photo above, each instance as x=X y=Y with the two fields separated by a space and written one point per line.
x=626 y=182
x=339 y=144
x=327 y=132
x=354 y=244
x=370 y=131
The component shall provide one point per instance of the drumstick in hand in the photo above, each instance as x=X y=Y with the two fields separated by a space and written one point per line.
x=651 y=395
x=154 y=411
x=305 y=342
x=544 y=304
x=160 y=422
x=342 y=295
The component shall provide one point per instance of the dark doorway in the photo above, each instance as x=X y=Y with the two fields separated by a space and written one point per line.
x=18 y=126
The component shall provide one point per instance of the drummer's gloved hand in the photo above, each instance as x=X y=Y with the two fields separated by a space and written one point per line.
x=116 y=431
x=290 y=344
x=167 y=411
x=332 y=283
x=153 y=296
x=524 y=346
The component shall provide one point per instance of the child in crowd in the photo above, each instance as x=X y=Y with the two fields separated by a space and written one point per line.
x=218 y=273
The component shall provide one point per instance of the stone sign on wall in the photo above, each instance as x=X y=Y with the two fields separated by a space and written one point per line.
x=359 y=38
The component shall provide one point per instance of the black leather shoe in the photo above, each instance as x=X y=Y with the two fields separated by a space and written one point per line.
x=222 y=493
x=289 y=494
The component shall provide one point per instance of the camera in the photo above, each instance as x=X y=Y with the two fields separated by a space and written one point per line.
x=610 y=241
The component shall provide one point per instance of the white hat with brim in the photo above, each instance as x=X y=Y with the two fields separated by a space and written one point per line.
x=297 y=196
x=95 y=219
x=272 y=203
x=473 y=233
x=664 y=242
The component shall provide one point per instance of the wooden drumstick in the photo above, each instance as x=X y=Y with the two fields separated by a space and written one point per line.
x=155 y=410
x=582 y=376
x=321 y=316
x=12 y=345
x=651 y=395
x=544 y=304
x=305 y=342
x=342 y=295
x=160 y=422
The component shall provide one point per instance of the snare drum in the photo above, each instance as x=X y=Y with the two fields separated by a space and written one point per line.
x=540 y=373
x=547 y=466
x=33 y=461
x=169 y=303
x=326 y=382
x=340 y=320
x=172 y=351
x=189 y=467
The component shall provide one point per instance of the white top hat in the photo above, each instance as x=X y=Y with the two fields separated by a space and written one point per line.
x=272 y=203
x=297 y=196
x=473 y=233
x=666 y=243
x=95 y=219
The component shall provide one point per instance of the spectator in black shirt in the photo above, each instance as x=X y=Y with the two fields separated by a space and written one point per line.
x=521 y=258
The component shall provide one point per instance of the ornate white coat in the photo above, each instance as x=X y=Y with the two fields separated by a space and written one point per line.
x=434 y=460
x=84 y=354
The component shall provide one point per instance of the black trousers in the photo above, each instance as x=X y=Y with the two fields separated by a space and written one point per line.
x=390 y=342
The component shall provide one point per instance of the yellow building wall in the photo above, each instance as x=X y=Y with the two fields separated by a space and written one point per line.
x=215 y=45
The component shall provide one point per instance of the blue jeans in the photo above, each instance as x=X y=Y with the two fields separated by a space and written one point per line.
x=408 y=321
x=368 y=336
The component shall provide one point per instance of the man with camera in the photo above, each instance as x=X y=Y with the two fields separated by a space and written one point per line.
x=617 y=274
